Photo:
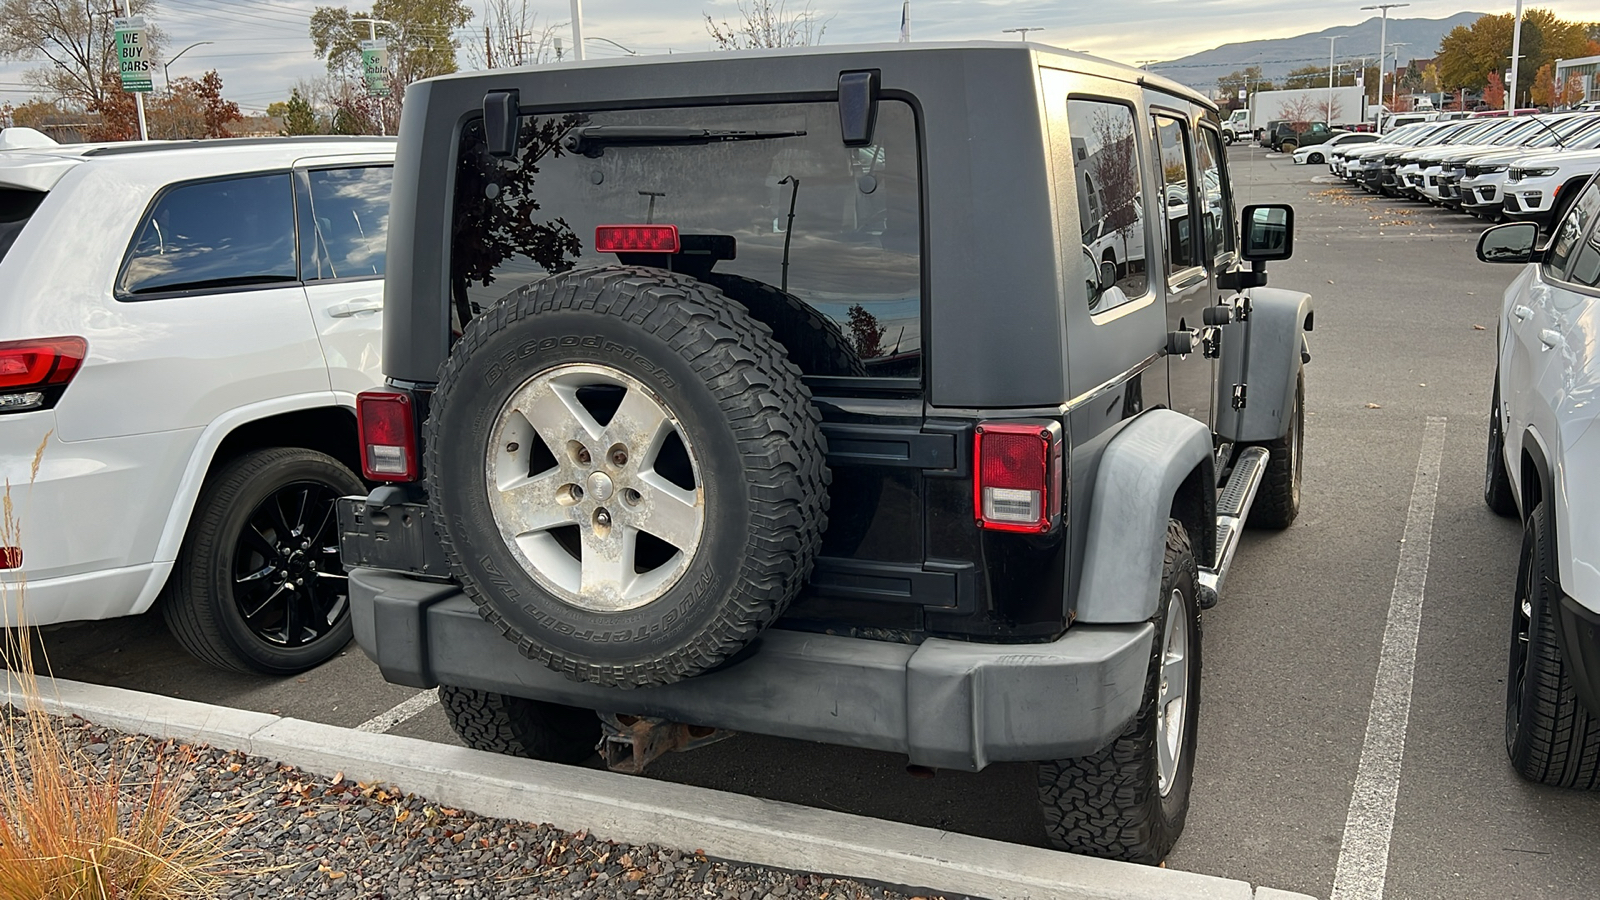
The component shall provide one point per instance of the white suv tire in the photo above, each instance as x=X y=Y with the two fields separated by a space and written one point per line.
x=258 y=585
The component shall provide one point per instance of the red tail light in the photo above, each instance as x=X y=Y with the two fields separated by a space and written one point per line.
x=636 y=239
x=388 y=431
x=1017 y=476
x=33 y=372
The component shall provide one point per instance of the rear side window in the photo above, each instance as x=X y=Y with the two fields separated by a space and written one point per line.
x=838 y=228
x=348 y=223
x=1105 y=163
x=213 y=235
x=1174 y=160
x=16 y=207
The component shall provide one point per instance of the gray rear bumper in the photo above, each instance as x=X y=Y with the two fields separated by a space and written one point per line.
x=945 y=704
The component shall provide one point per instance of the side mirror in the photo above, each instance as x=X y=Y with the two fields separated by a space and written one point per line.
x=1268 y=232
x=1512 y=242
x=1108 y=274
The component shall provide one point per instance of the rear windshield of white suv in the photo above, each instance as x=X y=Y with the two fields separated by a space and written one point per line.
x=837 y=227
x=16 y=207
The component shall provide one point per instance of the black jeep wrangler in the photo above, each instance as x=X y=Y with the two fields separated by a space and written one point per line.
x=777 y=392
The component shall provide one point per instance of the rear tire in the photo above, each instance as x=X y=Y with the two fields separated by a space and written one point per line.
x=1129 y=801
x=253 y=545
x=1497 y=494
x=517 y=726
x=1551 y=736
x=1278 y=499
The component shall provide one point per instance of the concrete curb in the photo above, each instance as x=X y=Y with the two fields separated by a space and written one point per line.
x=642 y=811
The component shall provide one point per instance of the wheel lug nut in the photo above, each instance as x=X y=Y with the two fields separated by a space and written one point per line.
x=602 y=518
x=583 y=456
x=619 y=457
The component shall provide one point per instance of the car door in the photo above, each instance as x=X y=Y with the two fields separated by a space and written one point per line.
x=1189 y=291
x=343 y=211
x=1567 y=336
x=207 y=314
x=1533 y=318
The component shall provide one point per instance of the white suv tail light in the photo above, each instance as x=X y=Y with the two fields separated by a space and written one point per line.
x=33 y=373
x=388 y=434
x=1016 y=476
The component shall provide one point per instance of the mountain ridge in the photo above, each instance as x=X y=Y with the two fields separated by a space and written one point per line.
x=1278 y=56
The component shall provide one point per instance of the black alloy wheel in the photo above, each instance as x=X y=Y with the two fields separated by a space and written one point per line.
x=288 y=582
x=258 y=585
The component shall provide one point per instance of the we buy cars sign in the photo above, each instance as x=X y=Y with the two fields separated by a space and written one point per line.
x=133 y=54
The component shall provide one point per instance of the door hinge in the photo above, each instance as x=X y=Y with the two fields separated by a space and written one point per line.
x=1212 y=342
x=1238 y=396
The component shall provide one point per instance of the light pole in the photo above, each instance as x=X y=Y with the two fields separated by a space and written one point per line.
x=1516 y=56
x=1383 y=47
x=612 y=43
x=166 y=75
x=577 y=29
x=1021 y=31
x=1394 y=89
x=1330 y=78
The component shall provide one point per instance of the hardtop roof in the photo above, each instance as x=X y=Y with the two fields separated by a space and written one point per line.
x=1056 y=57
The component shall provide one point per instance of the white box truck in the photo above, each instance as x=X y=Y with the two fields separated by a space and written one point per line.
x=1348 y=106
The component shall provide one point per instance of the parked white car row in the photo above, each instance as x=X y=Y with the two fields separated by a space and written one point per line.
x=214 y=308
x=1527 y=168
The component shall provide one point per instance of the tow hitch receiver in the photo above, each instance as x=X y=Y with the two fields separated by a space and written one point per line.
x=630 y=743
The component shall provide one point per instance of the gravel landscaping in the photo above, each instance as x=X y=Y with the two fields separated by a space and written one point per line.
x=289 y=833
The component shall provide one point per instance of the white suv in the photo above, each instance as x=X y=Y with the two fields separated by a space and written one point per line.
x=1544 y=463
x=183 y=332
x=1541 y=188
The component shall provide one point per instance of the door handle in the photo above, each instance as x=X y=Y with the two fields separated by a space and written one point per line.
x=1550 y=338
x=1521 y=312
x=355 y=307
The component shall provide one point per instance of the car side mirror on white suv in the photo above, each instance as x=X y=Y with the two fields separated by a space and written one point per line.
x=1513 y=242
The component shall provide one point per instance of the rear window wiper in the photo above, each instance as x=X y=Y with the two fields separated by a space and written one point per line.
x=592 y=140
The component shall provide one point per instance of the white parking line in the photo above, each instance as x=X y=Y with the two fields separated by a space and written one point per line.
x=402 y=711
x=1364 y=852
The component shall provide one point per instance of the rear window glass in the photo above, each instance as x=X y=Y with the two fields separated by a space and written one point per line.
x=16 y=207
x=215 y=234
x=838 y=227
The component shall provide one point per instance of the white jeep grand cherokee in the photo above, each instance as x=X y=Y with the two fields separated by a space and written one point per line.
x=183 y=330
x=1544 y=464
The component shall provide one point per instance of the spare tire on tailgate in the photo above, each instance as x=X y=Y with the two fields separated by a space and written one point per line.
x=627 y=473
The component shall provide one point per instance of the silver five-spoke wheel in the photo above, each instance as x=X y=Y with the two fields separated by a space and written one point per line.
x=595 y=487
x=1173 y=694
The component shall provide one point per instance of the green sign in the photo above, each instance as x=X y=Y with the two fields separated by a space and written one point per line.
x=133 y=55
x=375 y=67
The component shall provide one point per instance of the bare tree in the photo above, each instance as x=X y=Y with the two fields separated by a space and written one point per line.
x=75 y=39
x=768 y=23
x=512 y=36
x=1298 y=111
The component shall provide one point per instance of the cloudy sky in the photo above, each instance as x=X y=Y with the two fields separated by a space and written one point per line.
x=261 y=47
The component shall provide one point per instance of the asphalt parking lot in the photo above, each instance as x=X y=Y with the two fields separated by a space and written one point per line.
x=1400 y=377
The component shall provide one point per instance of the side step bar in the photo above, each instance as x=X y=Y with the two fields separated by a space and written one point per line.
x=1233 y=507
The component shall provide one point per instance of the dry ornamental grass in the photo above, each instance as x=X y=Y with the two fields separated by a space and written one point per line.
x=70 y=828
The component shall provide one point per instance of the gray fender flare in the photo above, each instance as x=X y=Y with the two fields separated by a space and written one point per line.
x=1265 y=354
x=1138 y=478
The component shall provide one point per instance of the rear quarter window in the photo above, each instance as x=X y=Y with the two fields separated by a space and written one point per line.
x=210 y=235
x=16 y=208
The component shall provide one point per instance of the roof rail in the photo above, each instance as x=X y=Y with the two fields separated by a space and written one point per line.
x=158 y=146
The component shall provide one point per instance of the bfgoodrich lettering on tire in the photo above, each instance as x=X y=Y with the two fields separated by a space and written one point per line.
x=628 y=473
x=1130 y=800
